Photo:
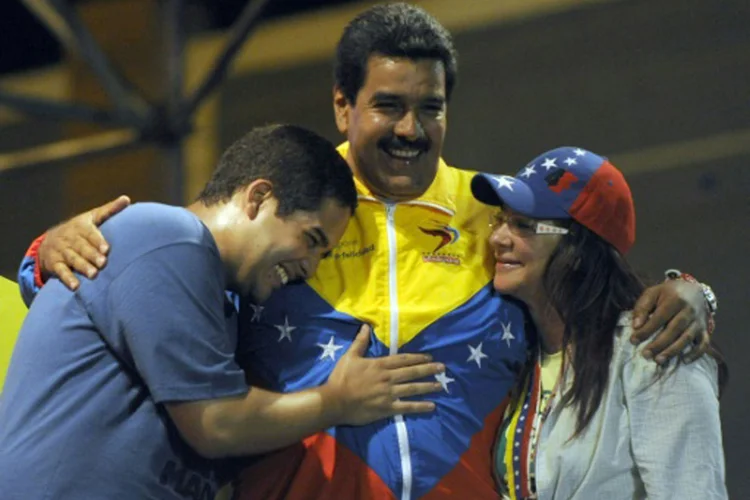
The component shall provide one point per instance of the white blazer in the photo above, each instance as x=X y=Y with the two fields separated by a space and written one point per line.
x=651 y=438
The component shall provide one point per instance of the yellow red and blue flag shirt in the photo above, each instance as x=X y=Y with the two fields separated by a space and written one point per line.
x=419 y=273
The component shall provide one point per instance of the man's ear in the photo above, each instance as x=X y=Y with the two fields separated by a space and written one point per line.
x=257 y=194
x=341 y=107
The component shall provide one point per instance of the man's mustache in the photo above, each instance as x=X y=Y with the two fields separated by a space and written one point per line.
x=422 y=144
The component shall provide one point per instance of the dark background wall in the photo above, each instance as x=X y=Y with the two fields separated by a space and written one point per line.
x=659 y=86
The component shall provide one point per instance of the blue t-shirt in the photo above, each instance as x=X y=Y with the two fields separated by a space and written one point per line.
x=82 y=413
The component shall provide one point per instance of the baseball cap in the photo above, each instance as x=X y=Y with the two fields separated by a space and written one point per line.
x=567 y=183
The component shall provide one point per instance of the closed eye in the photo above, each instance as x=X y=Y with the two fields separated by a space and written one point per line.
x=316 y=238
x=311 y=240
x=522 y=224
x=433 y=107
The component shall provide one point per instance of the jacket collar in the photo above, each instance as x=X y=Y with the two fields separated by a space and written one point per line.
x=441 y=192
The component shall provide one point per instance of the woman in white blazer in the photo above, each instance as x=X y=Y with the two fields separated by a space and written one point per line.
x=592 y=417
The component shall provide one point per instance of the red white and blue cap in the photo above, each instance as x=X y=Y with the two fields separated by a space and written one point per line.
x=567 y=183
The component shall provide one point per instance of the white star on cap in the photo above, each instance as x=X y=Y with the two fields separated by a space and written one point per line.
x=504 y=182
x=329 y=349
x=570 y=161
x=257 y=311
x=528 y=171
x=579 y=152
x=549 y=163
x=444 y=380
x=476 y=354
x=285 y=330
x=507 y=334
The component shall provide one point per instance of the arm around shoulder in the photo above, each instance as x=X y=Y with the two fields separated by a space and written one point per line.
x=75 y=245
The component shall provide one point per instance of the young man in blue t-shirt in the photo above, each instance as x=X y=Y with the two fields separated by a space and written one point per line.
x=127 y=387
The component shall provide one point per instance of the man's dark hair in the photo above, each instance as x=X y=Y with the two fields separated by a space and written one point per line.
x=395 y=30
x=304 y=168
x=589 y=283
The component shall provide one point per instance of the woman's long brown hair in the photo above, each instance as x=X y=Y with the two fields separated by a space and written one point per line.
x=590 y=284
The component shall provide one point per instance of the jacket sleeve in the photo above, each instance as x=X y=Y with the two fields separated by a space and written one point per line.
x=673 y=414
x=30 y=272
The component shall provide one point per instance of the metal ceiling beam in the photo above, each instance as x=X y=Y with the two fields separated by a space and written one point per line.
x=127 y=102
x=56 y=110
x=54 y=22
x=72 y=150
x=239 y=32
x=165 y=124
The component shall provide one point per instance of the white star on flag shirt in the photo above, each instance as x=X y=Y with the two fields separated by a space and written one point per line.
x=285 y=330
x=476 y=354
x=257 y=311
x=507 y=334
x=329 y=349
x=444 y=380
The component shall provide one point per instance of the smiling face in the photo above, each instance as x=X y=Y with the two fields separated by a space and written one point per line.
x=288 y=248
x=521 y=257
x=396 y=126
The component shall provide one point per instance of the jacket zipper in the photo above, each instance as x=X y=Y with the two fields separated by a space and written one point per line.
x=401 y=430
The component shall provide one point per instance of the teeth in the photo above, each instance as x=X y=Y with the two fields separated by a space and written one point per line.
x=404 y=153
x=282 y=274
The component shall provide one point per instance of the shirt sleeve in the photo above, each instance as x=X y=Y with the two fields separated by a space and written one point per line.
x=169 y=308
x=676 y=432
x=29 y=273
